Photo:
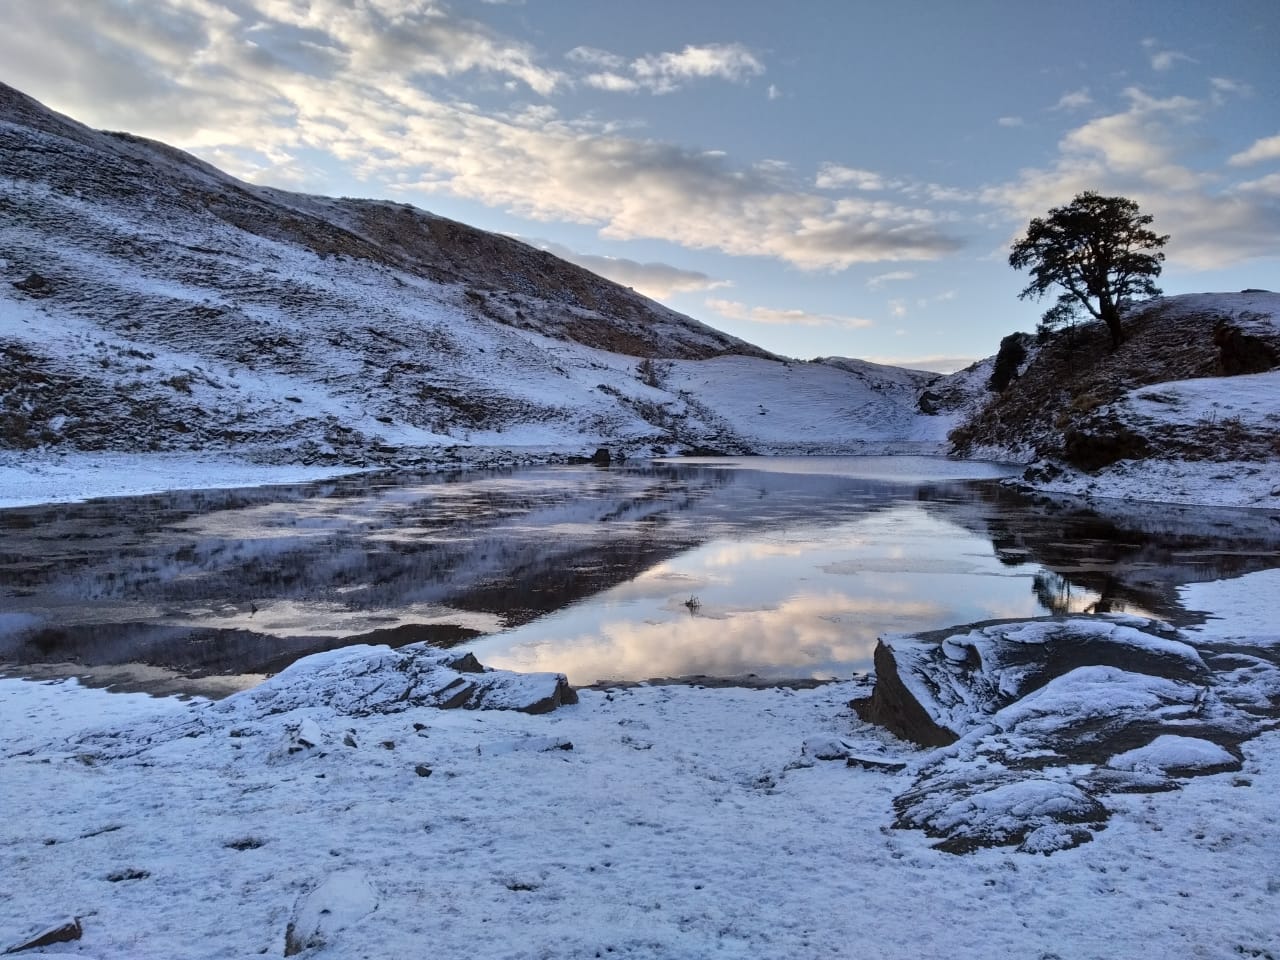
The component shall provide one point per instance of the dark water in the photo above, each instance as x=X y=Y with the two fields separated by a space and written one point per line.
x=775 y=567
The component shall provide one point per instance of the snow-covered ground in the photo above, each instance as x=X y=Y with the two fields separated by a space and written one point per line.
x=1244 y=483
x=1223 y=410
x=27 y=478
x=683 y=822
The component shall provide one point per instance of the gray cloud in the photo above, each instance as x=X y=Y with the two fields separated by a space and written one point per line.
x=656 y=280
x=733 y=310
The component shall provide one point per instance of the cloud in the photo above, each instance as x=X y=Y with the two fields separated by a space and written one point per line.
x=1262 y=150
x=1011 y=121
x=356 y=84
x=656 y=280
x=1224 y=85
x=662 y=73
x=773 y=92
x=595 y=57
x=733 y=310
x=1136 y=152
x=1163 y=60
x=612 y=82
x=666 y=72
x=878 y=281
x=833 y=176
x=1074 y=100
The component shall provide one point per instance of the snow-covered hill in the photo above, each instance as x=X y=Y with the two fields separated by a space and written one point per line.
x=1187 y=410
x=150 y=302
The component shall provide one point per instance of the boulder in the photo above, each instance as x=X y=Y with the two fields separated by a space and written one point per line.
x=1034 y=723
x=931 y=688
x=64 y=931
x=339 y=902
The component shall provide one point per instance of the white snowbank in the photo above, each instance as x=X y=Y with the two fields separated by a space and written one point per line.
x=31 y=478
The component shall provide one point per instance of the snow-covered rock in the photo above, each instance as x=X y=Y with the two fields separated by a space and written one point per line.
x=1037 y=723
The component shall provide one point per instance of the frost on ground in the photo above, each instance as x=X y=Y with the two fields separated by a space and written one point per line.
x=651 y=821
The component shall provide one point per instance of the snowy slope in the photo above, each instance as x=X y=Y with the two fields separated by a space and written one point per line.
x=1187 y=410
x=150 y=302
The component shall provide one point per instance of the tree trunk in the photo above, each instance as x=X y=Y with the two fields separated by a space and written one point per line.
x=1111 y=317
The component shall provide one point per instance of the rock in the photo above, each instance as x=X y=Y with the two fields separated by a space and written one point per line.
x=309 y=735
x=875 y=763
x=1177 y=756
x=999 y=810
x=1240 y=353
x=933 y=687
x=422 y=770
x=602 y=457
x=35 y=285
x=929 y=403
x=825 y=748
x=467 y=663
x=358 y=681
x=62 y=932
x=1035 y=723
x=338 y=903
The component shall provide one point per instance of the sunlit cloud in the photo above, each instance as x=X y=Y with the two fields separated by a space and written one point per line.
x=833 y=176
x=667 y=72
x=662 y=73
x=1262 y=150
x=732 y=310
x=356 y=84
x=1163 y=59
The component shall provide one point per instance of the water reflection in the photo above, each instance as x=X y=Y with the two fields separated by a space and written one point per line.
x=795 y=565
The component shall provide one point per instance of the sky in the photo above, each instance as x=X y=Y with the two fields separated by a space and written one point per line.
x=820 y=178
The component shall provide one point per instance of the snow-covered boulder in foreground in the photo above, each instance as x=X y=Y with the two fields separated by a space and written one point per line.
x=1037 y=722
x=309 y=699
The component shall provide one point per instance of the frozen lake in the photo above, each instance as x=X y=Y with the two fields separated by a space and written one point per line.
x=776 y=567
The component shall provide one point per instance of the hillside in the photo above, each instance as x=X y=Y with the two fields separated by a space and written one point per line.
x=149 y=302
x=1188 y=403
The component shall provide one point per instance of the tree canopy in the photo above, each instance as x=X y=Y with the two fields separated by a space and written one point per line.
x=1098 y=251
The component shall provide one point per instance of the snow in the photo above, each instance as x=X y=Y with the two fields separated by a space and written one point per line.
x=1169 y=752
x=684 y=822
x=32 y=478
x=1246 y=607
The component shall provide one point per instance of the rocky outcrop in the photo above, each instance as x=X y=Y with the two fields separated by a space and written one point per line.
x=1036 y=722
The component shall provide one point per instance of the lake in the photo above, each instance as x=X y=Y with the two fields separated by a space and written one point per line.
x=777 y=567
